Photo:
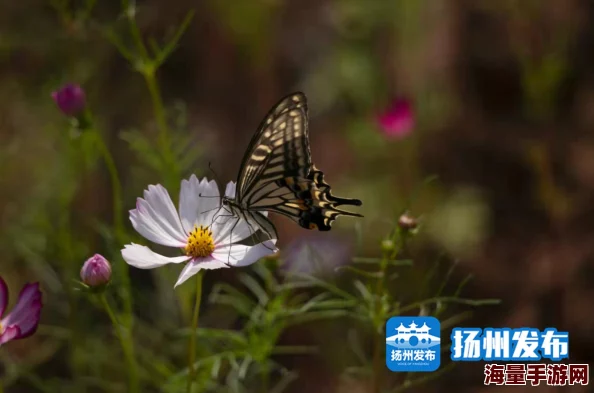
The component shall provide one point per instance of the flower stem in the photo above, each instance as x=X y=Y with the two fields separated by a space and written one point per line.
x=116 y=185
x=1 y=387
x=377 y=350
x=127 y=346
x=192 y=347
x=116 y=189
x=161 y=118
x=380 y=318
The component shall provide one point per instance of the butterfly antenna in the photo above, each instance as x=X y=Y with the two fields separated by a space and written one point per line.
x=215 y=176
x=214 y=173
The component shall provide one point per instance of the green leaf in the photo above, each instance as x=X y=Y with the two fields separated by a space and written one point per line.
x=255 y=288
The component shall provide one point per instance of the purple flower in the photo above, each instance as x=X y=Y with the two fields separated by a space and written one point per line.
x=96 y=271
x=398 y=121
x=22 y=321
x=70 y=99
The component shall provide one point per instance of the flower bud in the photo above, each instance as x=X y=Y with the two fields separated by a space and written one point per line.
x=408 y=222
x=96 y=271
x=388 y=245
x=70 y=99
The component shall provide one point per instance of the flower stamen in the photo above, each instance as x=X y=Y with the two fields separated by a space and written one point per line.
x=200 y=243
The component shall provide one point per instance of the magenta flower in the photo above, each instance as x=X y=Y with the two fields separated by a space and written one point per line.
x=398 y=121
x=22 y=321
x=70 y=99
x=96 y=271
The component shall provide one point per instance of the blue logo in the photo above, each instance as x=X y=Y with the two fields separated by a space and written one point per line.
x=524 y=344
x=412 y=344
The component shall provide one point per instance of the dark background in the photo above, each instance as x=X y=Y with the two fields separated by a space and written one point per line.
x=504 y=108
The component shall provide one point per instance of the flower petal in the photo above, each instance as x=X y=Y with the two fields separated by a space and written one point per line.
x=143 y=258
x=11 y=333
x=155 y=218
x=228 y=229
x=230 y=190
x=26 y=313
x=3 y=296
x=198 y=202
x=240 y=255
x=194 y=267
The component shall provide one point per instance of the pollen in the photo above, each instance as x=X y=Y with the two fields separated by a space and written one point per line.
x=200 y=243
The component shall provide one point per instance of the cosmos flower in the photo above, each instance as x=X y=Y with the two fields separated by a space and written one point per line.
x=398 y=121
x=96 y=271
x=22 y=321
x=206 y=235
x=70 y=99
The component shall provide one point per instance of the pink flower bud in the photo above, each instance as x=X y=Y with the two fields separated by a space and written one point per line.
x=408 y=222
x=70 y=99
x=96 y=271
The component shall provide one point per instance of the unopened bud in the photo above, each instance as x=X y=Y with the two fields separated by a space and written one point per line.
x=96 y=271
x=70 y=99
x=408 y=222
x=388 y=245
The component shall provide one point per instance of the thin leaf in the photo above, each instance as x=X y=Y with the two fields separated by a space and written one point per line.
x=360 y=272
x=469 y=302
x=255 y=288
x=323 y=284
x=170 y=47
x=389 y=262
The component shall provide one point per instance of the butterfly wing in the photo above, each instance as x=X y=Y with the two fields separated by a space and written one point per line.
x=277 y=174
x=310 y=202
x=279 y=149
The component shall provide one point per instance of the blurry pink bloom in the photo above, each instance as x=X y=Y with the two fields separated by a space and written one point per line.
x=96 y=271
x=398 y=121
x=70 y=99
x=24 y=318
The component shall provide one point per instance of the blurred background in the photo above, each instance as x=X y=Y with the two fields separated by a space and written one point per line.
x=501 y=97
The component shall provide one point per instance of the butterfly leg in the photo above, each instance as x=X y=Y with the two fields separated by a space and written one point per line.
x=266 y=227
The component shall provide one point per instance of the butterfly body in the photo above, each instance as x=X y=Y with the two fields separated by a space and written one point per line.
x=277 y=174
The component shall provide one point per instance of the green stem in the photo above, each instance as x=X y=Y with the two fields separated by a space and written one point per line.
x=192 y=346
x=148 y=66
x=1 y=387
x=134 y=30
x=379 y=341
x=116 y=185
x=116 y=189
x=161 y=118
x=125 y=339
x=380 y=319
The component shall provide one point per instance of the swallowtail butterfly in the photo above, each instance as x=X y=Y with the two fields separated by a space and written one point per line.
x=277 y=174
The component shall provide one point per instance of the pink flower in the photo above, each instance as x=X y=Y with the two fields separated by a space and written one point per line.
x=398 y=121
x=70 y=99
x=22 y=321
x=96 y=271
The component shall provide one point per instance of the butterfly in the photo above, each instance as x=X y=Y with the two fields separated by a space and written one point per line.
x=277 y=174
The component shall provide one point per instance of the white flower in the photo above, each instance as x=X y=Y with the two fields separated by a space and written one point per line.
x=202 y=230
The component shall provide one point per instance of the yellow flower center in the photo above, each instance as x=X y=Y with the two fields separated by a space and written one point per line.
x=200 y=243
